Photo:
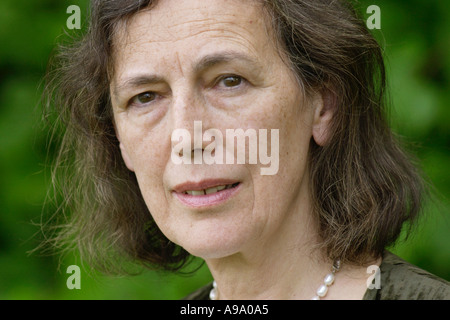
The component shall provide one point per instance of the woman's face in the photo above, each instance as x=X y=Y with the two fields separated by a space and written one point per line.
x=214 y=62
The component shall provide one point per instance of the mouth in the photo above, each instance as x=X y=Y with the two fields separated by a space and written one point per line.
x=211 y=190
x=206 y=193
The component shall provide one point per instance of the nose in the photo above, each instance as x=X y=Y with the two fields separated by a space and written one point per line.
x=187 y=106
x=189 y=118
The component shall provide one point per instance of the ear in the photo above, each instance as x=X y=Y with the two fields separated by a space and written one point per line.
x=325 y=107
x=126 y=158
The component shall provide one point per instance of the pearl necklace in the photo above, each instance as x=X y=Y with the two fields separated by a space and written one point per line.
x=320 y=293
x=328 y=281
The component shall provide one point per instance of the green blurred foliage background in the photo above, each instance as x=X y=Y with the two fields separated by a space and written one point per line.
x=416 y=38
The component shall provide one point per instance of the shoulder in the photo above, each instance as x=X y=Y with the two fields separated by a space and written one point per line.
x=401 y=280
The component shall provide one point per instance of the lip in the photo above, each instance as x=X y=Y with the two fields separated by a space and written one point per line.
x=206 y=200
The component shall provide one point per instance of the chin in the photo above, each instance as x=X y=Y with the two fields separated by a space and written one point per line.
x=213 y=246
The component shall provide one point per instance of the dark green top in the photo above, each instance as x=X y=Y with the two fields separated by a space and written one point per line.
x=400 y=280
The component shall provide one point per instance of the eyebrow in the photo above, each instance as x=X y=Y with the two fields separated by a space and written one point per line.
x=204 y=63
x=211 y=60
x=136 y=81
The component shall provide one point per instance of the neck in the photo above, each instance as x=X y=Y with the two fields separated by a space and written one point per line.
x=279 y=265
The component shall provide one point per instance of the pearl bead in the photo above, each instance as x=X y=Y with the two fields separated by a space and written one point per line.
x=213 y=294
x=329 y=279
x=322 y=291
x=315 y=298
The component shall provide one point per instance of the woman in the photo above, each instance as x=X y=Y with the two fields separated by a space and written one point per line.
x=309 y=73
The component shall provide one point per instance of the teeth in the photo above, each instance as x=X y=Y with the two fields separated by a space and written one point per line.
x=208 y=191
x=211 y=190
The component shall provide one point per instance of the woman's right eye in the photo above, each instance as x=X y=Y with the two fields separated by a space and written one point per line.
x=143 y=98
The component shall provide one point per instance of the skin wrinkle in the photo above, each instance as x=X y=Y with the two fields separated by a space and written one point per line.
x=220 y=32
x=205 y=63
x=115 y=85
x=221 y=26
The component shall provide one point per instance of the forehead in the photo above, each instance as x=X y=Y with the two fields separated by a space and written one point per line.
x=192 y=27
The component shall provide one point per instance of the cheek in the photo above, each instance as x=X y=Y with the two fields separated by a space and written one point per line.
x=149 y=163
x=293 y=117
x=149 y=156
x=146 y=150
x=295 y=138
x=294 y=121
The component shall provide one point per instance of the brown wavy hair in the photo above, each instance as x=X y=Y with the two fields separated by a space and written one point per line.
x=364 y=186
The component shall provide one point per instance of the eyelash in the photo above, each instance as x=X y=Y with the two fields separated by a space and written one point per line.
x=220 y=80
x=133 y=102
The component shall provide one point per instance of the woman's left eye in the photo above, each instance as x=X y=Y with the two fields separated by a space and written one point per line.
x=231 y=81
